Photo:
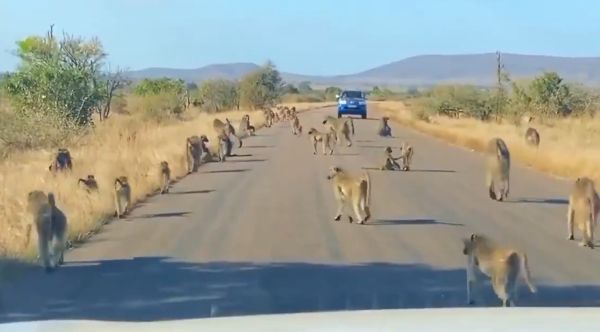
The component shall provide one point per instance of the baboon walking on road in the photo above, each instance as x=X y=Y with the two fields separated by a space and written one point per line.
x=296 y=127
x=122 y=196
x=245 y=126
x=326 y=140
x=51 y=226
x=498 y=169
x=340 y=128
x=504 y=266
x=225 y=146
x=584 y=206
x=352 y=189
x=165 y=177
x=407 y=155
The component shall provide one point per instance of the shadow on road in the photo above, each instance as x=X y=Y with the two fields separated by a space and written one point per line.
x=226 y=171
x=162 y=215
x=346 y=154
x=540 y=200
x=433 y=170
x=245 y=160
x=241 y=155
x=378 y=146
x=189 y=192
x=259 y=146
x=411 y=222
x=158 y=288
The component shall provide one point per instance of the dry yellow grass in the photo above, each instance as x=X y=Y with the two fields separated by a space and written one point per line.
x=568 y=147
x=106 y=153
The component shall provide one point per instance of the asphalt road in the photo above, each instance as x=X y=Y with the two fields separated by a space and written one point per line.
x=256 y=235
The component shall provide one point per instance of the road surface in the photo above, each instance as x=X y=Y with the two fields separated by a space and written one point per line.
x=255 y=235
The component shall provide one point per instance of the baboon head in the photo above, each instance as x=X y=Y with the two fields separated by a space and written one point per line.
x=388 y=150
x=312 y=131
x=385 y=119
x=469 y=243
x=121 y=181
x=333 y=172
x=204 y=139
x=164 y=165
x=36 y=198
x=91 y=177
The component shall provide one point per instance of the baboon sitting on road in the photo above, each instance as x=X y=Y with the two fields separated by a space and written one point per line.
x=122 y=196
x=165 y=177
x=193 y=150
x=389 y=162
x=384 y=128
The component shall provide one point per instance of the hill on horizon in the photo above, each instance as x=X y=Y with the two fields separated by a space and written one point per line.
x=421 y=70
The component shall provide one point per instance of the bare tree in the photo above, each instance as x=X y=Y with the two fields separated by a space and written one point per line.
x=113 y=82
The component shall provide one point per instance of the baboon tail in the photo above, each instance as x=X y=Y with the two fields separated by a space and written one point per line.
x=366 y=179
x=51 y=200
x=352 y=126
x=526 y=273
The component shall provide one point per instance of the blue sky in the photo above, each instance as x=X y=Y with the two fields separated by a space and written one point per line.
x=305 y=36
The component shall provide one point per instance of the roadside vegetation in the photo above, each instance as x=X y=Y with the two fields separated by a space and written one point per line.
x=64 y=95
x=565 y=114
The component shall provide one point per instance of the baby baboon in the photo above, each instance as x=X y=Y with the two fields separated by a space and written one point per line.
x=584 y=206
x=122 y=196
x=502 y=265
x=352 y=189
x=205 y=154
x=389 y=162
x=532 y=137
x=498 y=169
x=62 y=161
x=165 y=177
x=296 y=127
x=219 y=126
x=384 y=128
x=89 y=183
x=340 y=127
x=325 y=138
x=193 y=150
x=407 y=154
x=51 y=226
x=225 y=146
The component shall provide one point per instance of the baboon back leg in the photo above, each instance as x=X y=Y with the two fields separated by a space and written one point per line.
x=589 y=234
x=315 y=146
x=339 y=197
x=43 y=249
x=570 y=216
x=356 y=205
x=499 y=286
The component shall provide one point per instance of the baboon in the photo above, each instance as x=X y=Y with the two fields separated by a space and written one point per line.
x=352 y=189
x=51 y=226
x=225 y=146
x=406 y=156
x=205 y=154
x=219 y=126
x=526 y=119
x=326 y=140
x=503 y=266
x=245 y=126
x=165 y=177
x=532 y=137
x=89 y=183
x=62 y=161
x=389 y=162
x=277 y=117
x=384 y=128
x=498 y=169
x=193 y=150
x=584 y=206
x=296 y=127
x=340 y=127
x=122 y=196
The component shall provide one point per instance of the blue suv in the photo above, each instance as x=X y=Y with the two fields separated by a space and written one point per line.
x=352 y=102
